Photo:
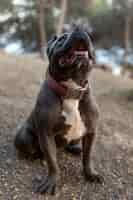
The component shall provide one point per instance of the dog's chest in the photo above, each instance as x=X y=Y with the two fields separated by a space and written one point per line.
x=72 y=117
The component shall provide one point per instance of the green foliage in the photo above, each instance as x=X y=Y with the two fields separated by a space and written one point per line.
x=99 y=8
x=5 y=5
x=26 y=27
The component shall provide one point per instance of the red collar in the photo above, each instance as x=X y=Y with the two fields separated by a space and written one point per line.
x=56 y=87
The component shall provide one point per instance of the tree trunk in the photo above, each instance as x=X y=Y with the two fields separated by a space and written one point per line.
x=89 y=4
x=127 y=36
x=62 y=17
x=41 y=25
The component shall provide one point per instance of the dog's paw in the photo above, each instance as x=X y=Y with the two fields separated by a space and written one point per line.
x=93 y=177
x=46 y=186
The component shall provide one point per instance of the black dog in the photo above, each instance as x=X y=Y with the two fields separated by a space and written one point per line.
x=65 y=107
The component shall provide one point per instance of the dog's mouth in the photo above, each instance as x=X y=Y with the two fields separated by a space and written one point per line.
x=79 y=49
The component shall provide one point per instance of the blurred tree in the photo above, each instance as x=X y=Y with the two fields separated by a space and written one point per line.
x=41 y=25
x=30 y=19
x=62 y=17
x=90 y=3
x=31 y=22
x=126 y=7
x=5 y=12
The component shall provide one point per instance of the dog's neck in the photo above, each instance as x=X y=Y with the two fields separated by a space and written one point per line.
x=67 y=89
x=59 y=89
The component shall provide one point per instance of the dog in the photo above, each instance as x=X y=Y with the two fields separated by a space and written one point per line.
x=65 y=107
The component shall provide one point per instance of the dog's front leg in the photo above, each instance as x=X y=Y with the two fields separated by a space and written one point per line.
x=89 y=113
x=48 y=147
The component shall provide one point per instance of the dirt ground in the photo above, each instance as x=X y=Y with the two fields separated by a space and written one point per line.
x=20 y=79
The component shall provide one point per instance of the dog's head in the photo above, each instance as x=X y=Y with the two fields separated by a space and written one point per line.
x=71 y=57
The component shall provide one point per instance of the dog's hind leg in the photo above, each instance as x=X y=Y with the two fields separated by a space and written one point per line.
x=26 y=142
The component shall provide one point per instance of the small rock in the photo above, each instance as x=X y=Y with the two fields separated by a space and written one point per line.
x=38 y=177
x=9 y=161
x=16 y=189
x=15 y=197
x=5 y=184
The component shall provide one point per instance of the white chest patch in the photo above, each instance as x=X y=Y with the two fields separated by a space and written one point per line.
x=73 y=118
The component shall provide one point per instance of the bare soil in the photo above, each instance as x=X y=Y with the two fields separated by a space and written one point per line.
x=20 y=79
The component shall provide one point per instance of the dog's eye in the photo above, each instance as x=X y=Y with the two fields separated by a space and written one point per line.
x=69 y=56
x=62 y=61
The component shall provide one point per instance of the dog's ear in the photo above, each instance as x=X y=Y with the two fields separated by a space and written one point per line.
x=50 y=45
x=91 y=36
x=92 y=49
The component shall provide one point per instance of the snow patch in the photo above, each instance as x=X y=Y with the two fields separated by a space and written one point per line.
x=4 y=17
x=19 y=2
x=14 y=47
